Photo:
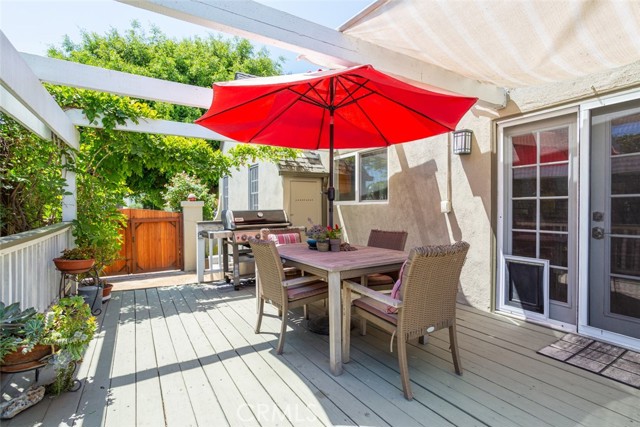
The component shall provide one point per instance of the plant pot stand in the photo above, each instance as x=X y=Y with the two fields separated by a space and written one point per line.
x=34 y=360
x=72 y=276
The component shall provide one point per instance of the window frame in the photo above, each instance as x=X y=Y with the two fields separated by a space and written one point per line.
x=358 y=164
x=254 y=190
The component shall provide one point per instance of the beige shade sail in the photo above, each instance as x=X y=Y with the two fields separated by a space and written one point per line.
x=509 y=43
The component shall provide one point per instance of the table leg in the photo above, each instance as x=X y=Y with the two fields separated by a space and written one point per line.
x=335 y=324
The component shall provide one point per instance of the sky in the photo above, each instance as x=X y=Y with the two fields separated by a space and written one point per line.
x=33 y=26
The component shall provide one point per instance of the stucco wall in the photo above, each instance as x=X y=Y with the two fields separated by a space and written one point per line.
x=269 y=186
x=419 y=174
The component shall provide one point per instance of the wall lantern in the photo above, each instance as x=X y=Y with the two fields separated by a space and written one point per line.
x=462 y=141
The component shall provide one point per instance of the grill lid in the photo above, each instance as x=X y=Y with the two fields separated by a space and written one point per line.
x=234 y=220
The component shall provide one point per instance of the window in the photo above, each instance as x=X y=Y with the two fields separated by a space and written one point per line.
x=538 y=163
x=225 y=193
x=362 y=177
x=253 y=187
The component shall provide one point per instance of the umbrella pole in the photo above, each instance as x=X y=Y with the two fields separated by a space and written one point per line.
x=331 y=191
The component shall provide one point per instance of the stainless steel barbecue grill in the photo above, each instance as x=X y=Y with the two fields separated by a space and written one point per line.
x=244 y=225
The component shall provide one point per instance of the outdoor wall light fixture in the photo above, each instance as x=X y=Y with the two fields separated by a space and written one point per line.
x=462 y=141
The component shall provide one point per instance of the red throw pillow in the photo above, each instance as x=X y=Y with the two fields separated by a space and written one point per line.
x=285 y=238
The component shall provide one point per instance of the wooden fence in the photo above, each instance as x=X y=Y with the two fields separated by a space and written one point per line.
x=152 y=242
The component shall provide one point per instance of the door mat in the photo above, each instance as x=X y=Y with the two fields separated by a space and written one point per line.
x=605 y=359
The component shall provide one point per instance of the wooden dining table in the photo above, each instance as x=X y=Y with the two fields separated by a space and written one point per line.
x=335 y=267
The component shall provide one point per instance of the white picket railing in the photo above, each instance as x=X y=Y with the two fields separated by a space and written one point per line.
x=27 y=274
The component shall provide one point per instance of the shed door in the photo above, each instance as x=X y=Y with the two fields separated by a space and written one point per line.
x=305 y=201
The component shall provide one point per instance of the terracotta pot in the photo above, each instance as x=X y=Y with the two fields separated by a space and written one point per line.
x=106 y=291
x=335 y=244
x=17 y=361
x=74 y=266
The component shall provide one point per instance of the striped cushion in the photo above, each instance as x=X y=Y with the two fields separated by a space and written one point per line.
x=307 y=290
x=284 y=238
x=377 y=308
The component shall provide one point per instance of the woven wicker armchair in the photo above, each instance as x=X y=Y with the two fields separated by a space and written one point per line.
x=388 y=240
x=275 y=288
x=427 y=304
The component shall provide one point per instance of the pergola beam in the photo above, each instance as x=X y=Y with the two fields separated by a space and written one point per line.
x=18 y=80
x=83 y=76
x=320 y=44
x=151 y=126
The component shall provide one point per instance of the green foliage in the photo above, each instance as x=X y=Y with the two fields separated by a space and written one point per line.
x=70 y=327
x=31 y=183
x=111 y=165
x=79 y=253
x=181 y=186
x=19 y=328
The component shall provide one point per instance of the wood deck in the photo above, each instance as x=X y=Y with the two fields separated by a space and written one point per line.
x=187 y=356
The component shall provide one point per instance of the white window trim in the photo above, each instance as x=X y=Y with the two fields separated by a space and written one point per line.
x=357 y=154
x=257 y=193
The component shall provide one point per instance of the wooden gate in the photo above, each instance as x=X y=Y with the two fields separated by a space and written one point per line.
x=152 y=242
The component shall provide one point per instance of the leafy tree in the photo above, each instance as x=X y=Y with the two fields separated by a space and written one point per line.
x=181 y=186
x=31 y=180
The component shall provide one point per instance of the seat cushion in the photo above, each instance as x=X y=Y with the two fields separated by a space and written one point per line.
x=376 y=308
x=306 y=290
x=284 y=238
x=378 y=279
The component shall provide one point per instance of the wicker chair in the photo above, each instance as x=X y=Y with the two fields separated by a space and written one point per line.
x=275 y=288
x=387 y=240
x=427 y=304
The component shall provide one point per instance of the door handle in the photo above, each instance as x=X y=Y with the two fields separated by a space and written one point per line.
x=597 y=233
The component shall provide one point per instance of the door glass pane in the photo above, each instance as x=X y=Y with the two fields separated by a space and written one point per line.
x=554 y=248
x=524 y=150
x=524 y=214
x=625 y=256
x=554 y=214
x=625 y=134
x=373 y=175
x=345 y=179
x=524 y=182
x=625 y=297
x=523 y=244
x=558 y=279
x=554 y=145
x=625 y=215
x=553 y=180
x=625 y=174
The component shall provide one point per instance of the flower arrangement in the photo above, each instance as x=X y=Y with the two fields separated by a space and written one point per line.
x=316 y=231
x=334 y=232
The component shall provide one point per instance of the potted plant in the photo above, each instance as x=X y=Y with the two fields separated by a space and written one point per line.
x=21 y=339
x=334 y=234
x=76 y=260
x=69 y=326
x=316 y=233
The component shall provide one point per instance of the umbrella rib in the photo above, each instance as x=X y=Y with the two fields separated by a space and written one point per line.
x=301 y=96
x=347 y=77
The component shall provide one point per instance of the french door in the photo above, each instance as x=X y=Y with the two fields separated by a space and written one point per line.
x=538 y=220
x=614 y=238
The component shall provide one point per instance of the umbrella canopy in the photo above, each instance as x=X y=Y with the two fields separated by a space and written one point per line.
x=356 y=107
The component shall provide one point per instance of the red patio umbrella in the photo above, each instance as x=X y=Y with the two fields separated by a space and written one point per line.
x=356 y=107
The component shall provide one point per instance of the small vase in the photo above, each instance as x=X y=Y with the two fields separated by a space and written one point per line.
x=323 y=245
x=312 y=243
x=335 y=244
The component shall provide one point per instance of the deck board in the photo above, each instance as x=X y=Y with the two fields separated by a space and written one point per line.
x=188 y=355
